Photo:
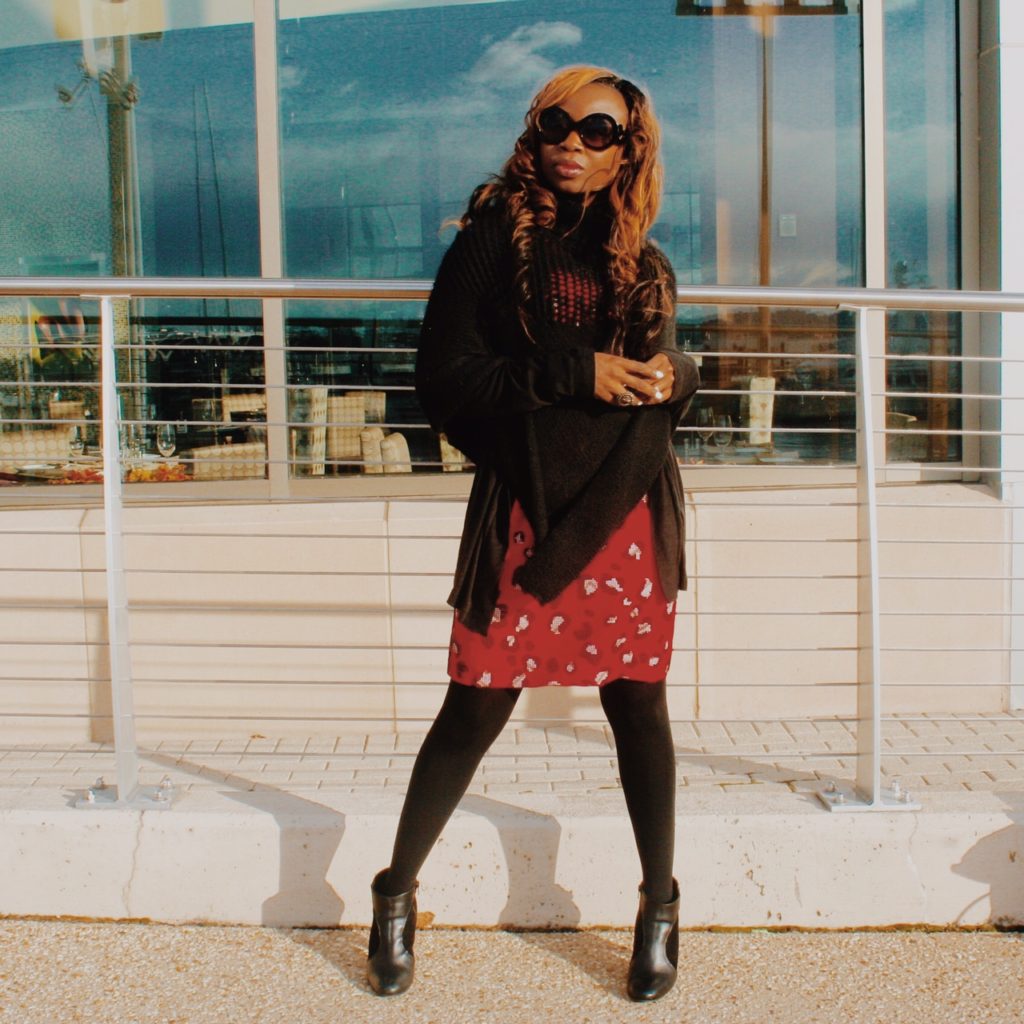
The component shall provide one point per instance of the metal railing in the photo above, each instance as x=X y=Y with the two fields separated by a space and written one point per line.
x=868 y=305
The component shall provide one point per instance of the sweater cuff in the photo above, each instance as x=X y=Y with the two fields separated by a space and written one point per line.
x=571 y=372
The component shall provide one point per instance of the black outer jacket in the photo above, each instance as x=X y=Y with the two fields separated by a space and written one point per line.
x=526 y=414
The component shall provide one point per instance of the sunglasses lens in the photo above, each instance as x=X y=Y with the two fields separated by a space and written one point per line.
x=597 y=131
x=554 y=124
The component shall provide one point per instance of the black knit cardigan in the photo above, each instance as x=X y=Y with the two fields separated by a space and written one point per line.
x=524 y=410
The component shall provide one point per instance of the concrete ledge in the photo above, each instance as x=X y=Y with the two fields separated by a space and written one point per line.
x=744 y=859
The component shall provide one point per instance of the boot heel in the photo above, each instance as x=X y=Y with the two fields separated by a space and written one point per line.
x=652 y=967
x=390 y=959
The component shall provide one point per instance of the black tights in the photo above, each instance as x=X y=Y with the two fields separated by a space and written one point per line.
x=468 y=723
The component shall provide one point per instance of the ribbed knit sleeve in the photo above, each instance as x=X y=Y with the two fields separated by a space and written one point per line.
x=687 y=376
x=459 y=370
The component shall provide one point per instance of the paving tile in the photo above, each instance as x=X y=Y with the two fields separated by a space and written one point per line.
x=518 y=789
x=375 y=775
x=547 y=775
x=320 y=745
x=978 y=753
x=376 y=742
x=260 y=745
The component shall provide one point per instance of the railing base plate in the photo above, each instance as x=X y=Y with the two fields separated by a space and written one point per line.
x=845 y=798
x=145 y=798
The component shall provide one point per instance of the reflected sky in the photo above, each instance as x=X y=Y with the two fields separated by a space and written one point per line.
x=430 y=121
x=390 y=118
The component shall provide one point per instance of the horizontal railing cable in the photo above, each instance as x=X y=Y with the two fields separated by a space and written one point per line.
x=375 y=633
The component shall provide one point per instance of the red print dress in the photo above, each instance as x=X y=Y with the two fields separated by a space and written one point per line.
x=612 y=622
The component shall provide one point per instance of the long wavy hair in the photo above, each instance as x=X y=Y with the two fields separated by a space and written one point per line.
x=640 y=296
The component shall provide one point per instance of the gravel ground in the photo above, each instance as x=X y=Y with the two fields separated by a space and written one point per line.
x=62 y=972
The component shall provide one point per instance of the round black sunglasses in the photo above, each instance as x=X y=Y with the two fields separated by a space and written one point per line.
x=596 y=131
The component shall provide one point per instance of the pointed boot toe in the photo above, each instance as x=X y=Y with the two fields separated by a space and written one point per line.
x=391 y=964
x=652 y=967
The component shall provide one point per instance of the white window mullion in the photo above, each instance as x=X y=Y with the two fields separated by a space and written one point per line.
x=268 y=156
x=876 y=255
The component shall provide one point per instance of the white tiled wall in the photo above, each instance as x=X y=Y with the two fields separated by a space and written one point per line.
x=295 y=619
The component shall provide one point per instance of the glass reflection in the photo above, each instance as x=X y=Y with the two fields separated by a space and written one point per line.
x=141 y=160
x=390 y=118
x=923 y=228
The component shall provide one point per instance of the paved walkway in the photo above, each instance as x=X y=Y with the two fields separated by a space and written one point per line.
x=153 y=974
x=924 y=752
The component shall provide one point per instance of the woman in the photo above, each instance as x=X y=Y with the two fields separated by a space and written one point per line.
x=548 y=356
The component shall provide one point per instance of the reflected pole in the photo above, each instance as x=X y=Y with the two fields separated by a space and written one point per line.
x=122 y=94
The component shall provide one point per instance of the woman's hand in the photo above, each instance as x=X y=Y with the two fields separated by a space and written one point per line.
x=665 y=371
x=621 y=381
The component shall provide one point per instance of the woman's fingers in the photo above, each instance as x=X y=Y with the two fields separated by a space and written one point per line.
x=616 y=377
x=662 y=365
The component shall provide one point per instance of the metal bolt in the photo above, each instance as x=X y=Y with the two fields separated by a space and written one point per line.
x=90 y=796
x=830 y=788
x=166 y=786
x=906 y=797
x=896 y=789
x=99 y=784
x=840 y=798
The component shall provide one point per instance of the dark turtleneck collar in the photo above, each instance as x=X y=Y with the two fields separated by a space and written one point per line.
x=583 y=220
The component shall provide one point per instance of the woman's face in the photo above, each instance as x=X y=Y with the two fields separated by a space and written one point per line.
x=568 y=166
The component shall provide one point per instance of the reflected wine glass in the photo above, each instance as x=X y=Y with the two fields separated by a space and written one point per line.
x=131 y=448
x=76 y=442
x=705 y=425
x=722 y=435
x=166 y=439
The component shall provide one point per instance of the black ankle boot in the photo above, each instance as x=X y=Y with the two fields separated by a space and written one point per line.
x=390 y=967
x=652 y=968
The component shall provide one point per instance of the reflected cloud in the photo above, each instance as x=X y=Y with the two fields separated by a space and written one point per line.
x=516 y=60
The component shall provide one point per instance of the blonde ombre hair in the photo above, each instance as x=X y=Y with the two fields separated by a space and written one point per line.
x=640 y=290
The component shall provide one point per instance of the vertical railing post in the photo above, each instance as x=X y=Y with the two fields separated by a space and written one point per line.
x=869 y=662
x=125 y=752
x=128 y=792
x=867 y=793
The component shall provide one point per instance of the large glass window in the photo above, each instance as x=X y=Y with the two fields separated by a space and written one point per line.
x=127 y=155
x=135 y=153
